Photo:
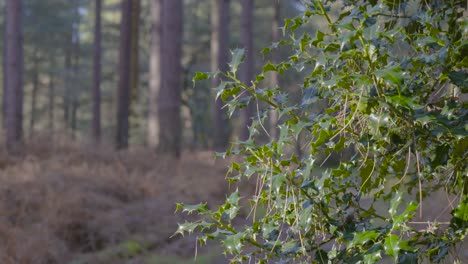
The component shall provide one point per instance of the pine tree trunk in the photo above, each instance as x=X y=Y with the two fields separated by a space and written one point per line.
x=96 y=124
x=134 y=66
x=14 y=71
x=75 y=96
x=154 y=73
x=275 y=35
x=169 y=99
x=5 y=52
x=247 y=69
x=51 y=100
x=123 y=97
x=35 y=87
x=219 y=60
x=67 y=80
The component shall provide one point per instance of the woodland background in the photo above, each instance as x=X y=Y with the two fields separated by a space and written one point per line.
x=104 y=130
x=91 y=68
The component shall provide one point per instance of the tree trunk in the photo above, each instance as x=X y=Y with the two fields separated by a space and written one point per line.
x=247 y=69
x=169 y=99
x=154 y=73
x=51 y=101
x=67 y=80
x=96 y=125
x=275 y=36
x=75 y=96
x=123 y=97
x=74 y=116
x=5 y=52
x=219 y=60
x=14 y=71
x=134 y=63
x=35 y=87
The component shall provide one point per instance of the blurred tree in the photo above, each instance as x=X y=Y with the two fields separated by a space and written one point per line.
x=219 y=61
x=134 y=66
x=35 y=87
x=76 y=69
x=154 y=73
x=169 y=99
x=275 y=36
x=123 y=97
x=247 y=69
x=96 y=126
x=4 y=50
x=51 y=96
x=69 y=82
x=14 y=76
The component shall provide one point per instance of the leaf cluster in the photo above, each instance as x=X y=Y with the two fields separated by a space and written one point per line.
x=393 y=85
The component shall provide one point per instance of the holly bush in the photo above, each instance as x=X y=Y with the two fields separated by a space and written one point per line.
x=392 y=76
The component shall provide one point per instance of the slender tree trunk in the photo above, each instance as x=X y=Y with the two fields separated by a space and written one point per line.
x=275 y=36
x=134 y=60
x=74 y=117
x=154 y=73
x=35 y=87
x=75 y=96
x=5 y=52
x=123 y=97
x=14 y=71
x=51 y=99
x=247 y=70
x=96 y=127
x=169 y=99
x=219 y=60
x=67 y=80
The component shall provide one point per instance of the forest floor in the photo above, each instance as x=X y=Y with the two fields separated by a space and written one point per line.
x=64 y=203
x=61 y=203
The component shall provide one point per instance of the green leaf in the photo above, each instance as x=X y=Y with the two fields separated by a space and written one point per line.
x=318 y=38
x=220 y=89
x=290 y=248
x=431 y=42
x=365 y=174
x=198 y=208
x=373 y=254
x=363 y=238
x=406 y=216
x=199 y=76
x=238 y=56
x=395 y=203
x=269 y=67
x=233 y=243
x=391 y=75
x=186 y=227
x=460 y=214
x=234 y=198
x=393 y=245
x=460 y=79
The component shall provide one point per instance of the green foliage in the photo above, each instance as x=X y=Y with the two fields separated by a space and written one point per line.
x=391 y=81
